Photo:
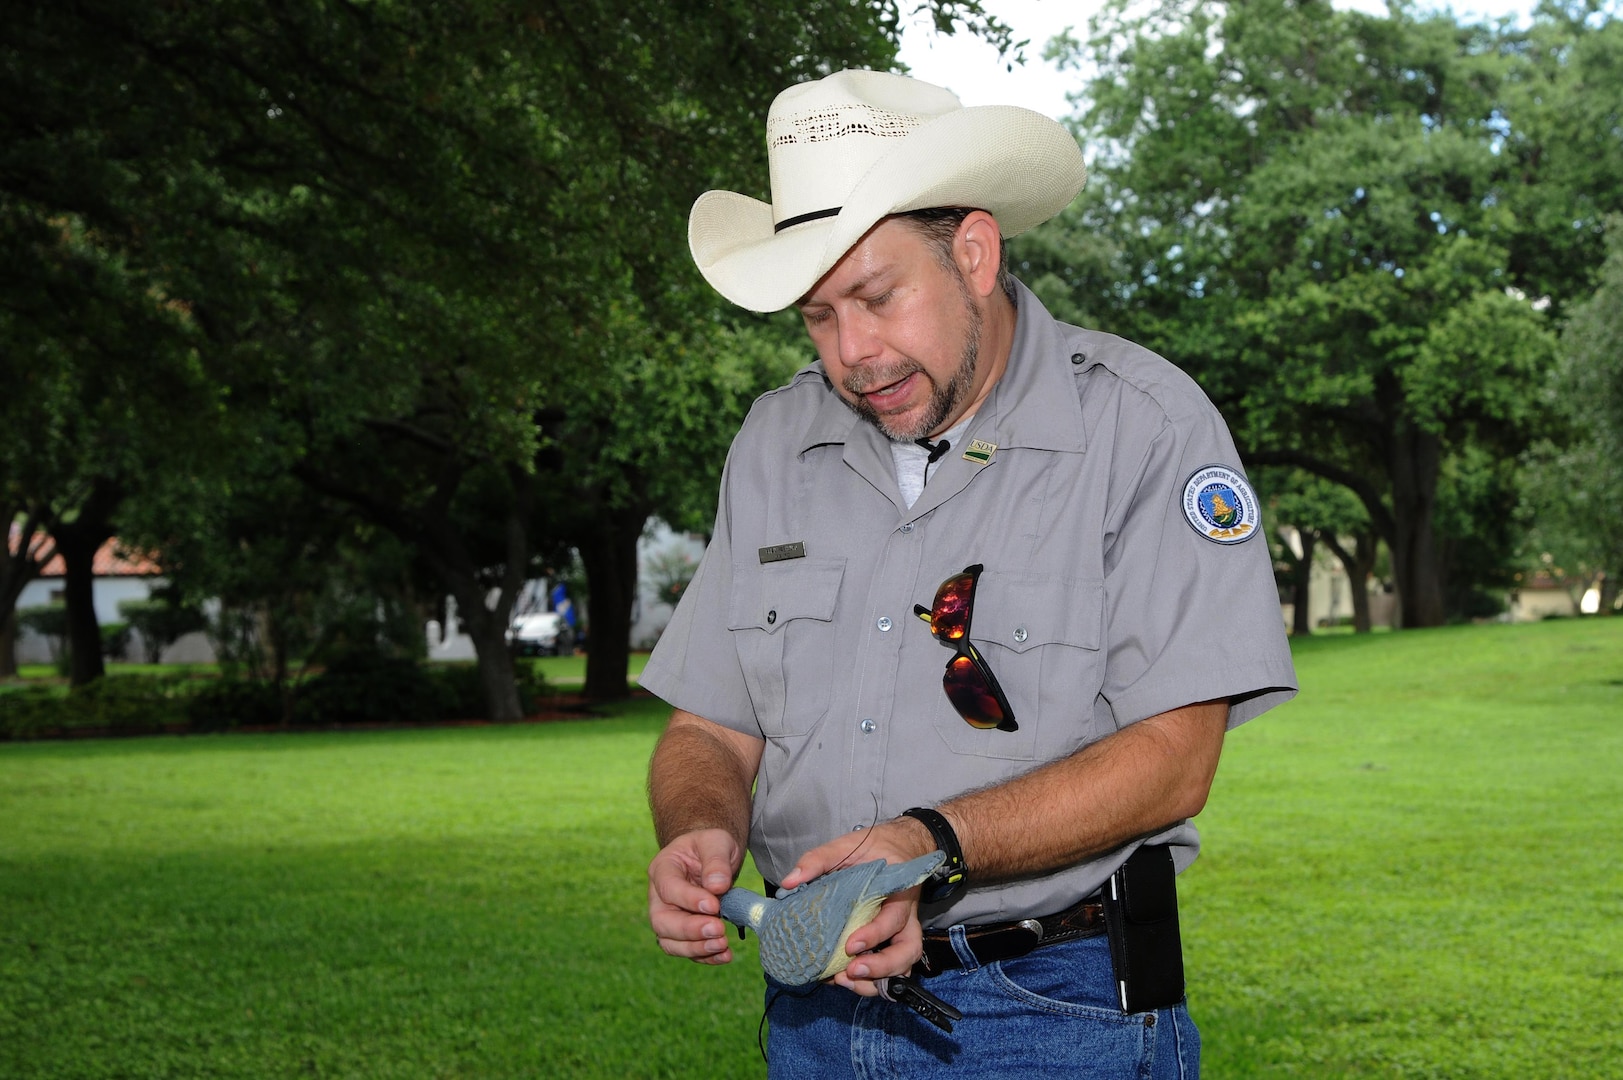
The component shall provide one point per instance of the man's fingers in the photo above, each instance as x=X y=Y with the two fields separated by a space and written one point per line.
x=889 y=945
x=717 y=878
x=693 y=936
x=896 y=920
x=684 y=908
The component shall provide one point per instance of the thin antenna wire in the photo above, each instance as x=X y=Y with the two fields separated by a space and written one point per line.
x=867 y=834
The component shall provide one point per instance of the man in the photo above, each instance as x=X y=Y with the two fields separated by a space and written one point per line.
x=1063 y=511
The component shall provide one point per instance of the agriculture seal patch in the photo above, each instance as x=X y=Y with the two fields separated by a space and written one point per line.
x=1220 y=505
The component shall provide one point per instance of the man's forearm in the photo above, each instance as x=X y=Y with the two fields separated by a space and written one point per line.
x=701 y=777
x=1142 y=779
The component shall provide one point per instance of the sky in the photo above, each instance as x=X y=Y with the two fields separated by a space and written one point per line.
x=971 y=68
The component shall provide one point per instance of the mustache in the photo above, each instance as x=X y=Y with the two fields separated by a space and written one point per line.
x=866 y=381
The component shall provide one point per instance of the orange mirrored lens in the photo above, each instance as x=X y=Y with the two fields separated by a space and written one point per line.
x=971 y=694
x=949 y=618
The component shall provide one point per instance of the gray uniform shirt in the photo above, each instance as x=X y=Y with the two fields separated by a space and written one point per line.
x=1105 y=598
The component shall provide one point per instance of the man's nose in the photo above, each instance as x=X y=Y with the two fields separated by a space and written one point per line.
x=858 y=338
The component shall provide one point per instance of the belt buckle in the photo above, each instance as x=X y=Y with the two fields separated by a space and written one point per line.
x=1009 y=941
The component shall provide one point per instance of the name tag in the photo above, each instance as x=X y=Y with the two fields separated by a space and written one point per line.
x=783 y=552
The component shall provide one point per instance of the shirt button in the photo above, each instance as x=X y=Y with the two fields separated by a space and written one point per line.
x=1020 y=633
x=884 y=622
x=858 y=828
x=908 y=527
x=772 y=616
x=868 y=727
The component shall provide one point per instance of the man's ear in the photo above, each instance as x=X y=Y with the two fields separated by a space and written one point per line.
x=977 y=250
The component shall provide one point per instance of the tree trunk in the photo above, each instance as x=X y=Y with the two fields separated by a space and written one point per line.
x=78 y=544
x=487 y=627
x=609 y=552
x=85 y=664
x=1357 y=563
x=8 y=644
x=17 y=569
x=1414 y=464
x=1302 y=583
x=487 y=624
x=436 y=536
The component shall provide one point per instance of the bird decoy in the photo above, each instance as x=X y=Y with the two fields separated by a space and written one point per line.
x=803 y=930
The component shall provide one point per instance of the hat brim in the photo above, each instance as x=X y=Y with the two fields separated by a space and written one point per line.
x=1018 y=165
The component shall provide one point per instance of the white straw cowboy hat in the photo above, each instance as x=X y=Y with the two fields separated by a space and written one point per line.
x=845 y=151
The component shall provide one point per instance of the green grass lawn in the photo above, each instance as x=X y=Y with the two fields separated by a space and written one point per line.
x=1408 y=872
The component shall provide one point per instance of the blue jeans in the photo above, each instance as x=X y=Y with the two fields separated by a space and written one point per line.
x=1050 y=1013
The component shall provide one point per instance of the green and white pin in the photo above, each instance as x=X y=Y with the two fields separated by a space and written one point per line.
x=980 y=452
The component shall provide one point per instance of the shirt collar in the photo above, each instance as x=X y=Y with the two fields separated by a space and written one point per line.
x=1034 y=403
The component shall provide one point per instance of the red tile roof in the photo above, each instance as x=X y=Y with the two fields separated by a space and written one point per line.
x=110 y=560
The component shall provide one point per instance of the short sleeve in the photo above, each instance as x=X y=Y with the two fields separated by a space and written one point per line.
x=1191 y=605
x=693 y=666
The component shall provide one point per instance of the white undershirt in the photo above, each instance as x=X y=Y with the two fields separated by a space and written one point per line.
x=913 y=466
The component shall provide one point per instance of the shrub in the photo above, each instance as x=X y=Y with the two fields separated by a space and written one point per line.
x=119 y=706
x=459 y=693
x=30 y=712
x=361 y=688
x=364 y=687
x=160 y=623
x=223 y=704
x=47 y=620
x=128 y=706
x=115 y=640
x=50 y=621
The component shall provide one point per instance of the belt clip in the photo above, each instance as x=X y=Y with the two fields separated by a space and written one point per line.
x=1034 y=926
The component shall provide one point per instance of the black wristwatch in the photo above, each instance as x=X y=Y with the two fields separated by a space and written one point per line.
x=948 y=878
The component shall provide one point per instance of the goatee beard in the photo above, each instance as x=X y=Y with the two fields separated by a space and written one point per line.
x=944 y=397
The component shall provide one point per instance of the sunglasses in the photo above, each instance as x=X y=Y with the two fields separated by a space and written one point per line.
x=969 y=683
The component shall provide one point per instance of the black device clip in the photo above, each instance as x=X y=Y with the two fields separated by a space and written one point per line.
x=904 y=991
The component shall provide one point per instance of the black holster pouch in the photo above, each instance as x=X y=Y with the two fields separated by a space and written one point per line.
x=1141 y=920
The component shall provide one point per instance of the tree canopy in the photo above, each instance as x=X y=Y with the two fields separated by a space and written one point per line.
x=1359 y=233
x=428 y=259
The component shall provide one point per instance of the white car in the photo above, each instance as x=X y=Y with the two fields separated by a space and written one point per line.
x=540 y=633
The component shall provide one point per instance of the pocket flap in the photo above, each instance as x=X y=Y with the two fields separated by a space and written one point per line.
x=1022 y=611
x=771 y=596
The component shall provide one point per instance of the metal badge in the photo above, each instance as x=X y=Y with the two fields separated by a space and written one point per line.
x=783 y=552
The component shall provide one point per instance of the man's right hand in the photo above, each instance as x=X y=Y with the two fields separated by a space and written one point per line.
x=685 y=883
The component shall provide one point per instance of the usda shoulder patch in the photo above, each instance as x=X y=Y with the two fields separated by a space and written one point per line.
x=1220 y=505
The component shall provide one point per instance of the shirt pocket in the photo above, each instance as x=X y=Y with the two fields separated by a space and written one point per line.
x=781 y=616
x=1041 y=635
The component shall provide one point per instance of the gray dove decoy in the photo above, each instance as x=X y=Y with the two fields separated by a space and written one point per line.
x=803 y=931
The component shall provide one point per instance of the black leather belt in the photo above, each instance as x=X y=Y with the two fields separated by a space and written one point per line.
x=1006 y=940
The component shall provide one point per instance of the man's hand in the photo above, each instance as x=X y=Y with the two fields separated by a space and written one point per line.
x=685 y=883
x=896 y=927
x=699 y=793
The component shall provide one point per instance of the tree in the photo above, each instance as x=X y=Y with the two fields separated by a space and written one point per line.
x=1317 y=212
x=1575 y=491
x=426 y=254
x=1318 y=511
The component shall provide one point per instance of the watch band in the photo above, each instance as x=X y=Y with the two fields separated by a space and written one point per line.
x=948 y=878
